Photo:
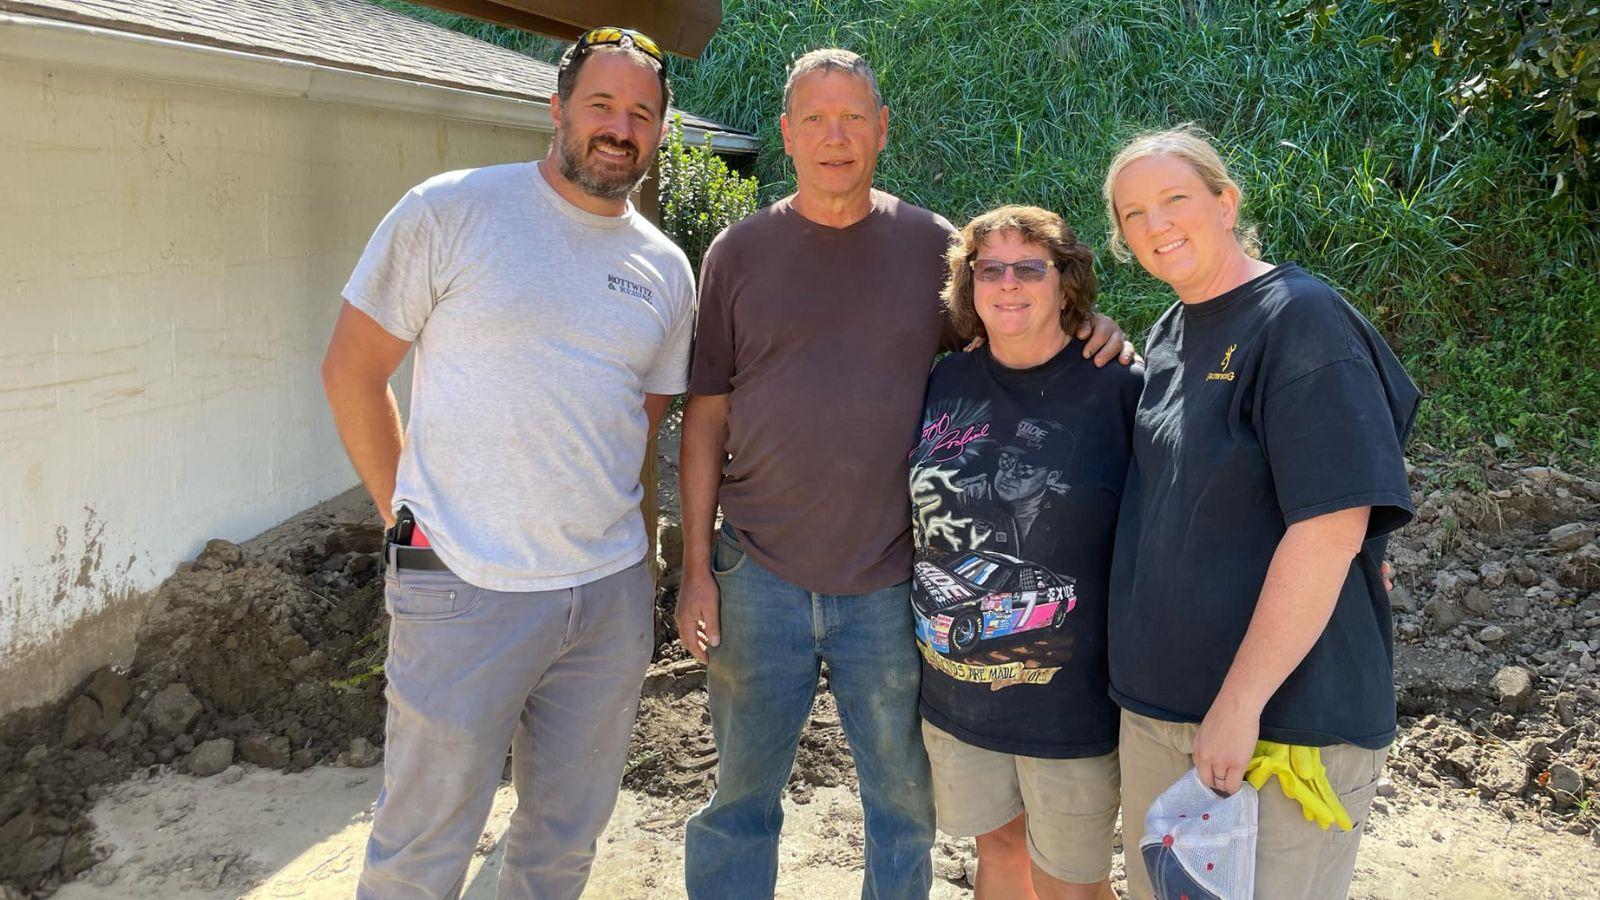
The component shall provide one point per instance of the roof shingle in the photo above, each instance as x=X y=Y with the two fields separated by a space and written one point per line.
x=346 y=34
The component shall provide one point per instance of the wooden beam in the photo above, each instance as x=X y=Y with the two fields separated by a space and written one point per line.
x=683 y=27
x=509 y=17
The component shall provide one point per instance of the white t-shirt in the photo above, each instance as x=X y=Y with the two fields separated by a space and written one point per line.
x=539 y=327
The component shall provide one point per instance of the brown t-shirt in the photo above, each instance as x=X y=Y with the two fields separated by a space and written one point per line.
x=824 y=337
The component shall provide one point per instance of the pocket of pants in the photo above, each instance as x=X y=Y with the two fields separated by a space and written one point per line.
x=430 y=596
x=1357 y=801
x=728 y=557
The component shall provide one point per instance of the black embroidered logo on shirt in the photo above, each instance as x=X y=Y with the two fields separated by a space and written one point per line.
x=624 y=286
x=1222 y=373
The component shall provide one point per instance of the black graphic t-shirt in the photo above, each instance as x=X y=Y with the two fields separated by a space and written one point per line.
x=1271 y=404
x=1015 y=487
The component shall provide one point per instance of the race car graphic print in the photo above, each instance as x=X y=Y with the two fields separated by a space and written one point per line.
x=964 y=598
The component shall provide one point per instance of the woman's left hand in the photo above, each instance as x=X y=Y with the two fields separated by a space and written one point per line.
x=1224 y=745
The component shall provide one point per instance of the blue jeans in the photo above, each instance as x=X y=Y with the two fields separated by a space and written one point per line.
x=761 y=682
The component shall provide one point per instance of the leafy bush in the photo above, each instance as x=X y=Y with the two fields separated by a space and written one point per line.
x=700 y=195
x=1540 y=57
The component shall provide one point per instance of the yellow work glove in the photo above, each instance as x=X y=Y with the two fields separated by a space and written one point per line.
x=1303 y=779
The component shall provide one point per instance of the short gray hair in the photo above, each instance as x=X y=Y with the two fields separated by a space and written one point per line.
x=830 y=59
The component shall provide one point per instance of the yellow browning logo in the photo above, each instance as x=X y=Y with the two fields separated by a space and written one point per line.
x=1222 y=373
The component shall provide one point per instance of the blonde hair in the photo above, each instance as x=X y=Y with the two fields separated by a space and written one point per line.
x=1191 y=144
x=1073 y=260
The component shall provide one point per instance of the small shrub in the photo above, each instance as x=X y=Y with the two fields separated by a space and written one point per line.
x=700 y=195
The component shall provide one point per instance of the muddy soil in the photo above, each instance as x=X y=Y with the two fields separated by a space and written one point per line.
x=264 y=658
x=262 y=654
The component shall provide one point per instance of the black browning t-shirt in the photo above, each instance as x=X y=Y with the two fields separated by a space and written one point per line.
x=1271 y=404
x=1015 y=487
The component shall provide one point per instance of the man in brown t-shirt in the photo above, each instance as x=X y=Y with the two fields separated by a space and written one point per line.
x=819 y=321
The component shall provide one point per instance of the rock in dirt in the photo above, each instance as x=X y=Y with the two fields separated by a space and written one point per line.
x=265 y=750
x=77 y=855
x=211 y=758
x=1581 y=570
x=231 y=775
x=1492 y=634
x=1513 y=688
x=219 y=554
x=1567 y=710
x=174 y=710
x=1442 y=614
x=1566 y=783
x=1571 y=536
x=1502 y=773
x=1454 y=582
x=1477 y=602
x=362 y=754
x=293 y=646
x=17 y=793
x=111 y=690
x=84 y=722
x=30 y=847
x=674 y=678
x=1493 y=574
x=1424 y=676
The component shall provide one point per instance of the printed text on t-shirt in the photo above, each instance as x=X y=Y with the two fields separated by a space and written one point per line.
x=943 y=441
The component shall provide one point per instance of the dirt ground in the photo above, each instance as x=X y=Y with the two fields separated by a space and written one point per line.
x=275 y=834
x=240 y=754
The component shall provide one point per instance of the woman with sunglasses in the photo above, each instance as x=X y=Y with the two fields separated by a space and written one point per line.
x=1249 y=601
x=1016 y=484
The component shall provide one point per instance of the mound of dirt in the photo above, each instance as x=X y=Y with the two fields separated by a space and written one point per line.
x=260 y=654
x=1497 y=624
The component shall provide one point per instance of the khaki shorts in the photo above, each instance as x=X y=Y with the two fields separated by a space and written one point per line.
x=1071 y=803
x=1295 y=860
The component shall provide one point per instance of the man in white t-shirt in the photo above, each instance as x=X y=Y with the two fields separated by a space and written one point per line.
x=552 y=325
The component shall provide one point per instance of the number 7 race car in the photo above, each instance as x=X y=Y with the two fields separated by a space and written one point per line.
x=971 y=596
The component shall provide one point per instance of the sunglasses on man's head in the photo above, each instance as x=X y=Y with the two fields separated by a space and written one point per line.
x=1027 y=270
x=611 y=35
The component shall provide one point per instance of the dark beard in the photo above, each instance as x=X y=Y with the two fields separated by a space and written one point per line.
x=589 y=178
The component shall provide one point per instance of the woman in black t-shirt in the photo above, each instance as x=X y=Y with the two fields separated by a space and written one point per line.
x=1016 y=483
x=1247 y=600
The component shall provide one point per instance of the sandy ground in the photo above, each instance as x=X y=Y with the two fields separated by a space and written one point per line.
x=272 y=834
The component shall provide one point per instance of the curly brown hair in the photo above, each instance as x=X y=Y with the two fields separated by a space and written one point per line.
x=1073 y=260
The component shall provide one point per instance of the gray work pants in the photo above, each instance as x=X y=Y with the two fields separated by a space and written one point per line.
x=555 y=676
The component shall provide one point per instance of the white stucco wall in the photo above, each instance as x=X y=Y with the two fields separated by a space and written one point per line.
x=170 y=263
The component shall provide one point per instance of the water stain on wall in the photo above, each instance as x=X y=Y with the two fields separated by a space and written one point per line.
x=94 y=531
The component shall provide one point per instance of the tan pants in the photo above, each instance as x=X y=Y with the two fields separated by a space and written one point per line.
x=1071 y=803
x=1295 y=860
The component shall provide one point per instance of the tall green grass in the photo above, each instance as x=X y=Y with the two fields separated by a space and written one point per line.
x=1441 y=230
